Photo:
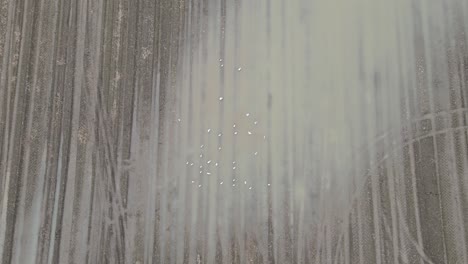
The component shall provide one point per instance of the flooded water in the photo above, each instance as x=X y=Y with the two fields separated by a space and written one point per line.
x=233 y=131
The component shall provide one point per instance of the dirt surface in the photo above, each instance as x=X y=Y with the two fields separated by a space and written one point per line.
x=203 y=131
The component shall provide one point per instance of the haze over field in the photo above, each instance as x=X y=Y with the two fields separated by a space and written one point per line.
x=219 y=131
